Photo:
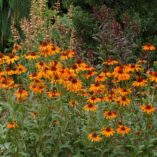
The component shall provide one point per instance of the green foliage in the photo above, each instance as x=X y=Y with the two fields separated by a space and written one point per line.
x=62 y=37
x=144 y=11
x=85 y=25
x=141 y=15
x=12 y=9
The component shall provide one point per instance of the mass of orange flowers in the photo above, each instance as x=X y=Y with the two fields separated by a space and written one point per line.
x=110 y=92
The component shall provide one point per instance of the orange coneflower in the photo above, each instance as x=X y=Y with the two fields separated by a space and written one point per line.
x=95 y=87
x=43 y=73
x=40 y=65
x=73 y=84
x=11 y=125
x=140 y=82
x=65 y=73
x=53 y=94
x=6 y=83
x=93 y=99
x=153 y=76
x=133 y=68
x=37 y=87
x=100 y=78
x=55 y=122
x=21 y=94
x=110 y=62
x=94 y=137
x=40 y=88
x=90 y=107
x=81 y=65
x=123 y=92
x=48 y=49
x=73 y=103
x=109 y=98
x=34 y=114
x=121 y=74
x=56 y=79
x=148 y=108
x=142 y=61
x=76 y=68
x=122 y=130
x=16 y=48
x=148 y=47
x=53 y=49
x=107 y=73
x=31 y=56
x=89 y=68
x=20 y=69
x=84 y=93
x=43 y=46
x=100 y=91
x=11 y=58
x=8 y=71
x=54 y=69
x=123 y=101
x=68 y=54
x=108 y=131
x=1 y=73
x=34 y=76
x=2 y=58
x=110 y=114
x=90 y=74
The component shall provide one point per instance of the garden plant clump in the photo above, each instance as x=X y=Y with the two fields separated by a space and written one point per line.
x=78 y=78
x=55 y=104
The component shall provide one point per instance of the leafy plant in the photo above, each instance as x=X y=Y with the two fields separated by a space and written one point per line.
x=11 y=9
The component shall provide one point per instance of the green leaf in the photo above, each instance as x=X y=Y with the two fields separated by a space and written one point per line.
x=1 y=4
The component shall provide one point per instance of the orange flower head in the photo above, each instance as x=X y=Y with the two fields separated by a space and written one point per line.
x=21 y=94
x=93 y=99
x=31 y=56
x=7 y=83
x=11 y=125
x=120 y=73
x=110 y=114
x=73 y=84
x=123 y=92
x=148 y=47
x=96 y=87
x=90 y=107
x=122 y=130
x=68 y=54
x=108 y=131
x=100 y=78
x=123 y=101
x=148 y=108
x=40 y=65
x=34 y=76
x=140 y=82
x=110 y=62
x=53 y=94
x=8 y=71
x=90 y=74
x=93 y=137
x=133 y=68
x=16 y=48
x=73 y=103
x=2 y=58
x=153 y=76
x=20 y=69
x=11 y=58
